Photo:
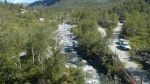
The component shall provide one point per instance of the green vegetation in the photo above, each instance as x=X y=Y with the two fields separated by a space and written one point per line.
x=71 y=4
x=22 y=31
x=24 y=48
x=99 y=16
x=136 y=27
x=92 y=46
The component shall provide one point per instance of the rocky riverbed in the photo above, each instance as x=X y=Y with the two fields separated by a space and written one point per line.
x=68 y=44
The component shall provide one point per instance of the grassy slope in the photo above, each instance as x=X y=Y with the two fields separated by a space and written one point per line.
x=82 y=3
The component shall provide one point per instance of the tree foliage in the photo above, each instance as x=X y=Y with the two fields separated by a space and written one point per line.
x=25 y=47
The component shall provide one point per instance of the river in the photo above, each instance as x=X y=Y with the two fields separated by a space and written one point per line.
x=67 y=41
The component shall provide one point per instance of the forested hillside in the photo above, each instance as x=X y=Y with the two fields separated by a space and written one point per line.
x=26 y=39
x=71 y=4
x=92 y=45
x=44 y=2
x=135 y=29
x=25 y=42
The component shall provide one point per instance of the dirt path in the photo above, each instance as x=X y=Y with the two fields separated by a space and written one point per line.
x=124 y=57
x=102 y=30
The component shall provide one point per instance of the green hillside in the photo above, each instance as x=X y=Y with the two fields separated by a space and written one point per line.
x=26 y=41
x=83 y=3
x=62 y=4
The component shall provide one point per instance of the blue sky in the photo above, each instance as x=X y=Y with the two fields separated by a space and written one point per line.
x=21 y=1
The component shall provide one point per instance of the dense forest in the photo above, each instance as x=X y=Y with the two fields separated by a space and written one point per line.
x=26 y=41
x=92 y=45
x=24 y=47
x=135 y=29
x=139 y=22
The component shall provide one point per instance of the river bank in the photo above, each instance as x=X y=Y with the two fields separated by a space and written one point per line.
x=67 y=41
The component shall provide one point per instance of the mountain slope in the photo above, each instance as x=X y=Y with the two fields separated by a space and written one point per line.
x=74 y=3
x=44 y=2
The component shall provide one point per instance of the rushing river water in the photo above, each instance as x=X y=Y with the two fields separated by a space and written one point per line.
x=67 y=41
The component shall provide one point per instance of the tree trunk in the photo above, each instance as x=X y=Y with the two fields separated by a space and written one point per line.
x=32 y=48
x=33 y=54
x=39 y=58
